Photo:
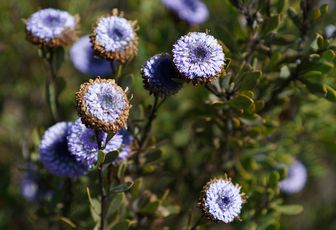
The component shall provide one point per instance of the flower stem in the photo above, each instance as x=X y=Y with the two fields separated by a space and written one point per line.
x=101 y=186
x=51 y=87
x=147 y=129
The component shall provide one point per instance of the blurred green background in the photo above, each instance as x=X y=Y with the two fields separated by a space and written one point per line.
x=310 y=134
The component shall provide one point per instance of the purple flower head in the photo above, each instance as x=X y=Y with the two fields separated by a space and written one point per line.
x=83 y=58
x=82 y=143
x=125 y=146
x=192 y=11
x=221 y=200
x=198 y=57
x=114 y=37
x=51 y=27
x=158 y=75
x=30 y=188
x=55 y=155
x=295 y=179
x=102 y=105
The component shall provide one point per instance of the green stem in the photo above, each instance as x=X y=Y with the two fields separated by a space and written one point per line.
x=51 y=87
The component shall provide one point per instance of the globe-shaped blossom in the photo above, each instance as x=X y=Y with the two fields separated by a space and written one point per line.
x=191 y=11
x=84 y=60
x=221 y=200
x=83 y=144
x=55 y=155
x=159 y=76
x=125 y=146
x=51 y=27
x=29 y=187
x=102 y=105
x=198 y=57
x=295 y=179
x=114 y=37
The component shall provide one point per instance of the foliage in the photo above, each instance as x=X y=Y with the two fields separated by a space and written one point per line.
x=273 y=104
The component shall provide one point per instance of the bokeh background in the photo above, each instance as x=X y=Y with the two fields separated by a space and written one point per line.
x=309 y=133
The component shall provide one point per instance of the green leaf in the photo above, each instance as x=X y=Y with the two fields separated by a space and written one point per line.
x=101 y=157
x=68 y=222
x=331 y=94
x=122 y=225
x=318 y=89
x=249 y=80
x=111 y=156
x=116 y=202
x=315 y=14
x=324 y=9
x=136 y=187
x=270 y=24
x=294 y=17
x=121 y=187
x=288 y=209
x=153 y=155
x=122 y=169
x=242 y=102
x=151 y=208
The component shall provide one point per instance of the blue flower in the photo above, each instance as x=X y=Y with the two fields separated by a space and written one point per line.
x=198 y=57
x=221 y=200
x=51 y=27
x=30 y=188
x=55 y=155
x=295 y=179
x=125 y=146
x=114 y=37
x=102 y=105
x=192 y=11
x=158 y=75
x=83 y=58
x=82 y=143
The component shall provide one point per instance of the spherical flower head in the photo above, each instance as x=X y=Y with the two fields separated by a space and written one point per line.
x=125 y=149
x=198 y=57
x=159 y=76
x=83 y=143
x=102 y=105
x=29 y=187
x=330 y=31
x=55 y=155
x=51 y=27
x=84 y=60
x=193 y=12
x=221 y=200
x=114 y=37
x=295 y=179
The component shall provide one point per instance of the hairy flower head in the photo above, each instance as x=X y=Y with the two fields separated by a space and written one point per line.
x=102 y=105
x=295 y=179
x=221 y=200
x=83 y=143
x=55 y=155
x=52 y=27
x=191 y=11
x=84 y=60
x=159 y=75
x=115 y=38
x=198 y=57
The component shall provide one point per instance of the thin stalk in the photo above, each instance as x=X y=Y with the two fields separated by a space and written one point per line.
x=101 y=187
x=147 y=128
x=51 y=87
